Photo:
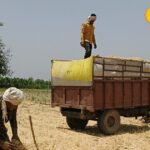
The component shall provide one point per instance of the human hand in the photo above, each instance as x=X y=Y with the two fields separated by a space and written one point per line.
x=8 y=146
x=82 y=43
x=16 y=140
x=95 y=46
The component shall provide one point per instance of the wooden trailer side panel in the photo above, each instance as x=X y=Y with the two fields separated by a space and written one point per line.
x=108 y=94
x=146 y=93
x=73 y=97
x=111 y=94
x=105 y=94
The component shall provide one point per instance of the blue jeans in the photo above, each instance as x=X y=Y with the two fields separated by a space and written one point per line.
x=88 y=49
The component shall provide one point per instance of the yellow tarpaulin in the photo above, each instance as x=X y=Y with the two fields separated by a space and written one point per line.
x=72 y=73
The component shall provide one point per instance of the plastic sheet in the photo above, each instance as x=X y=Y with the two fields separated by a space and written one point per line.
x=72 y=73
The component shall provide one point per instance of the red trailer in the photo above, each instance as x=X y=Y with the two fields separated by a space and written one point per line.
x=118 y=87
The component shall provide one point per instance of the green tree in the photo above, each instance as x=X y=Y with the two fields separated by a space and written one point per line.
x=4 y=60
x=1 y=24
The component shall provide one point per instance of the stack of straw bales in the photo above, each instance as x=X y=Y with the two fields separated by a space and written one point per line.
x=114 y=66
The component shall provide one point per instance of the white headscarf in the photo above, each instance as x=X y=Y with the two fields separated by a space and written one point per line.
x=13 y=96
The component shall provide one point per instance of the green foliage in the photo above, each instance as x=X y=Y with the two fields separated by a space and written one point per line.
x=4 y=60
x=1 y=24
x=30 y=83
x=42 y=96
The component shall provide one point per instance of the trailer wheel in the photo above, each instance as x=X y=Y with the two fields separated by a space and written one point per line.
x=109 y=122
x=76 y=124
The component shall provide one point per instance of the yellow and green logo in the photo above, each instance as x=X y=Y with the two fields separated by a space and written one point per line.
x=147 y=15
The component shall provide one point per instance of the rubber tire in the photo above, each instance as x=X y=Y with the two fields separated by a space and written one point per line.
x=76 y=124
x=113 y=125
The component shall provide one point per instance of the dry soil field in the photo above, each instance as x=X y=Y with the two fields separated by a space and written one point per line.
x=52 y=132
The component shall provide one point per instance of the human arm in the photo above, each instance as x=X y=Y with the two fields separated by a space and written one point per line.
x=94 y=41
x=4 y=139
x=3 y=130
x=13 y=124
x=7 y=145
x=82 y=35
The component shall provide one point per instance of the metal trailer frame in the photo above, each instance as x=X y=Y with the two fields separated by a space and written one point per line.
x=107 y=99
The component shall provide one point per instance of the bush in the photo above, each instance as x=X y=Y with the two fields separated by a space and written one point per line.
x=30 y=83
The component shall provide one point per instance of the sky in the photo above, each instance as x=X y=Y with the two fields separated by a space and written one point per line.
x=38 y=31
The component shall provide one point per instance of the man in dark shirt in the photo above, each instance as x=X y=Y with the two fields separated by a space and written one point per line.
x=9 y=102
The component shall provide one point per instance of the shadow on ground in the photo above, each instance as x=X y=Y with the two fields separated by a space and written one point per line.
x=124 y=128
x=129 y=128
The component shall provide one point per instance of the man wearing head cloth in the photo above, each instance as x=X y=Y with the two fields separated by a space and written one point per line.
x=87 y=35
x=9 y=102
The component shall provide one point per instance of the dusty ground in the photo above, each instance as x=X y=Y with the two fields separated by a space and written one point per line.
x=52 y=132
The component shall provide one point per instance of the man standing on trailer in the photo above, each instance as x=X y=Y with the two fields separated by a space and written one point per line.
x=87 y=35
